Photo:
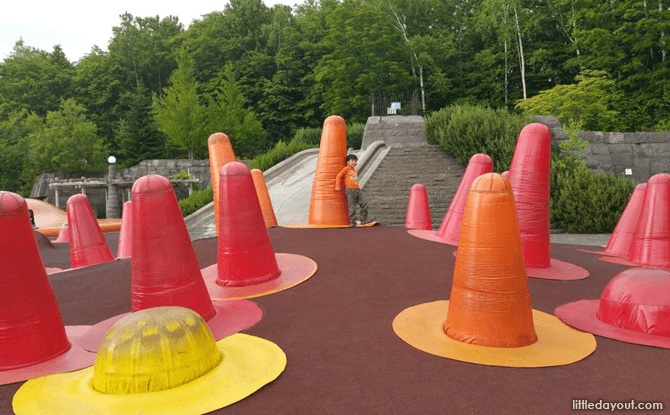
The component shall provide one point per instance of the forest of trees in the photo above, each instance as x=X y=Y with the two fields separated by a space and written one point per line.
x=158 y=90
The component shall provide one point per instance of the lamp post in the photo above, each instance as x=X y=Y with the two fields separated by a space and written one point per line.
x=113 y=207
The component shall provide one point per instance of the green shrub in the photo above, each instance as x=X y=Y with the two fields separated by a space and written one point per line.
x=195 y=201
x=464 y=130
x=355 y=135
x=279 y=152
x=308 y=136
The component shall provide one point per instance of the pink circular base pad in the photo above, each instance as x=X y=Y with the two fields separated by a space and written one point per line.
x=431 y=236
x=294 y=270
x=231 y=317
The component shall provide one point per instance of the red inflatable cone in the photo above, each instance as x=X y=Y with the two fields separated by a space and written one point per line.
x=418 y=211
x=651 y=243
x=245 y=255
x=33 y=340
x=63 y=234
x=125 y=246
x=505 y=174
x=88 y=245
x=220 y=153
x=620 y=242
x=450 y=228
x=165 y=270
x=530 y=177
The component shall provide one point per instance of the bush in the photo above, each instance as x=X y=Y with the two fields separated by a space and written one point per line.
x=308 y=136
x=585 y=202
x=464 y=130
x=355 y=133
x=196 y=200
x=280 y=152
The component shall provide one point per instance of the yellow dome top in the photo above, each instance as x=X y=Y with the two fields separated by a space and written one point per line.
x=153 y=350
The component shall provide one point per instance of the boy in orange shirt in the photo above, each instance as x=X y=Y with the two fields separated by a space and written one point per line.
x=352 y=190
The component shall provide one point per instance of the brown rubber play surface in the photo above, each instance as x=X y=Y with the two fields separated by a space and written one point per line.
x=343 y=356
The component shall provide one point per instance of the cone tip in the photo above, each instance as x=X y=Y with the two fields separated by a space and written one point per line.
x=235 y=168
x=78 y=198
x=640 y=186
x=536 y=127
x=491 y=182
x=418 y=187
x=150 y=183
x=661 y=178
x=12 y=204
x=481 y=158
x=333 y=119
x=216 y=137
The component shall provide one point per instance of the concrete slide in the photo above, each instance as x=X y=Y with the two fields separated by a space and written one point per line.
x=290 y=186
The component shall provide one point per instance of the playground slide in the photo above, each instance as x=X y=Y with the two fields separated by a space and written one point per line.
x=290 y=186
x=49 y=219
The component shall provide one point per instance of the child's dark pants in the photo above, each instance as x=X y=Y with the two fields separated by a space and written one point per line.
x=354 y=197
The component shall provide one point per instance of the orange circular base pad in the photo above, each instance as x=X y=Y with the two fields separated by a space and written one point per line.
x=294 y=270
x=557 y=343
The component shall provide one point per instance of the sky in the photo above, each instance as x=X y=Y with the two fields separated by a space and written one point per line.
x=78 y=25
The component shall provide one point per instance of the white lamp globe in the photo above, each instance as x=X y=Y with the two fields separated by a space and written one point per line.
x=111 y=160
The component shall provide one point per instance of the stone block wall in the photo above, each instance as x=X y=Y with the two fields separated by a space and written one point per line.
x=645 y=153
x=394 y=130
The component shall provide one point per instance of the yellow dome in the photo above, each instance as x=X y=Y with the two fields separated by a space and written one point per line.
x=153 y=350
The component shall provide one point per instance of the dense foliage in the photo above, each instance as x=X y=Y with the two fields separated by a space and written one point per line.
x=260 y=74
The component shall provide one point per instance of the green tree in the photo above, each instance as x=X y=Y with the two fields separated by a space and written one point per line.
x=588 y=103
x=14 y=149
x=228 y=113
x=67 y=142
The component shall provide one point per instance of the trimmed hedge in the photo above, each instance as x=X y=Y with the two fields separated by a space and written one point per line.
x=279 y=152
x=196 y=200
x=465 y=130
x=581 y=201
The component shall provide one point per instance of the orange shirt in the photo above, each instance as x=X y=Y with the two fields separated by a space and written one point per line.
x=350 y=178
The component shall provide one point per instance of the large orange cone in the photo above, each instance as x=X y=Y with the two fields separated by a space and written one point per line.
x=220 y=153
x=651 y=243
x=418 y=210
x=530 y=176
x=488 y=319
x=88 y=245
x=450 y=228
x=490 y=300
x=165 y=269
x=33 y=340
x=125 y=247
x=264 y=198
x=328 y=207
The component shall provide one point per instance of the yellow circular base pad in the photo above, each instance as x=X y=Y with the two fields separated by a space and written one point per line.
x=557 y=343
x=248 y=364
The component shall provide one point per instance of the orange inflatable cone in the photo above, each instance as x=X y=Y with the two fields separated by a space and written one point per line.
x=488 y=318
x=165 y=269
x=490 y=301
x=328 y=207
x=530 y=176
x=220 y=153
x=418 y=210
x=125 y=246
x=63 y=234
x=450 y=229
x=264 y=198
x=651 y=243
x=33 y=340
x=88 y=245
x=246 y=263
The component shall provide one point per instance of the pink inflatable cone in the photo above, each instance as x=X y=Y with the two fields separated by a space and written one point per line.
x=450 y=228
x=505 y=174
x=33 y=340
x=530 y=177
x=88 y=245
x=247 y=265
x=165 y=270
x=63 y=234
x=619 y=244
x=418 y=211
x=651 y=243
x=125 y=246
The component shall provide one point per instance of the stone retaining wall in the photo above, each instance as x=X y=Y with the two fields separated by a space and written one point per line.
x=644 y=154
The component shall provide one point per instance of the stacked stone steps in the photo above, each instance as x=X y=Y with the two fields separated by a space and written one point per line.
x=388 y=189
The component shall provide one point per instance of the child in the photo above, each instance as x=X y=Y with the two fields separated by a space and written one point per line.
x=352 y=190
